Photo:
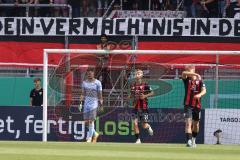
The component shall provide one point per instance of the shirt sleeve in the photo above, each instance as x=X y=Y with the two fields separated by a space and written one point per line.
x=202 y=84
x=83 y=85
x=31 y=94
x=148 y=88
x=99 y=86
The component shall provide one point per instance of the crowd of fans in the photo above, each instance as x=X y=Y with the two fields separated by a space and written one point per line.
x=96 y=8
x=211 y=8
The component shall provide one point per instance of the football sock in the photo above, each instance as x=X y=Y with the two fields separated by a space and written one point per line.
x=137 y=136
x=91 y=130
x=194 y=134
x=188 y=136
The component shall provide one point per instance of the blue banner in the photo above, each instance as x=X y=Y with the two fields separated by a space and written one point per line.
x=114 y=125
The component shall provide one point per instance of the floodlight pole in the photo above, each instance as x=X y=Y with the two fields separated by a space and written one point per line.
x=45 y=92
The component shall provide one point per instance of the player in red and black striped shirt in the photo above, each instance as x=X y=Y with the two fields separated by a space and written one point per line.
x=139 y=92
x=194 y=90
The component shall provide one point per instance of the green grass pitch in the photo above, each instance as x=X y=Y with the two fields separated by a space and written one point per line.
x=112 y=151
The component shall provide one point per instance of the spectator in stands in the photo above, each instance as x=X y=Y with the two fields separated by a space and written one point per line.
x=189 y=8
x=32 y=10
x=60 y=11
x=116 y=6
x=85 y=7
x=193 y=8
x=43 y=11
x=140 y=4
x=23 y=11
x=36 y=94
x=196 y=9
x=89 y=8
x=75 y=7
x=1 y=12
x=127 y=4
x=210 y=8
x=143 y=4
x=222 y=5
x=232 y=5
x=201 y=8
x=102 y=6
x=172 y=5
x=157 y=5
x=9 y=11
x=136 y=5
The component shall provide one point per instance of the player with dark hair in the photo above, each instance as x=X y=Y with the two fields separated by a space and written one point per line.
x=139 y=93
x=103 y=61
x=36 y=94
x=194 y=90
x=91 y=95
x=103 y=42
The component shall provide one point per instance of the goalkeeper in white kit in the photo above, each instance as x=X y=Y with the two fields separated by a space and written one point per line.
x=91 y=98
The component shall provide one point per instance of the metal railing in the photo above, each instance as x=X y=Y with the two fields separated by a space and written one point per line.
x=28 y=6
x=109 y=8
x=111 y=5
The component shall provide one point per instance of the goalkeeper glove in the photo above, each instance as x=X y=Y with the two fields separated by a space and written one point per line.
x=100 y=108
x=80 y=107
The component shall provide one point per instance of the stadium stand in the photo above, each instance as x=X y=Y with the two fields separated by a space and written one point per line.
x=94 y=8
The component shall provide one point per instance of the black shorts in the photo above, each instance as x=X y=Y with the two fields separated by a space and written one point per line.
x=141 y=115
x=192 y=113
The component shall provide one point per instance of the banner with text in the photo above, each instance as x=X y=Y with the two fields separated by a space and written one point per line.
x=225 y=120
x=120 y=26
x=113 y=125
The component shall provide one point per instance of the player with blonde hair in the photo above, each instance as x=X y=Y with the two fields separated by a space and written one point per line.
x=139 y=93
x=194 y=90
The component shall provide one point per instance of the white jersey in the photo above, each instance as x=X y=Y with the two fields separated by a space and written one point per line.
x=91 y=91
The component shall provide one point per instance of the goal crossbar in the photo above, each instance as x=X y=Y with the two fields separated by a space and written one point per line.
x=173 y=52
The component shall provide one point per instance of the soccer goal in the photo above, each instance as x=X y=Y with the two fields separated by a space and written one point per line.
x=162 y=70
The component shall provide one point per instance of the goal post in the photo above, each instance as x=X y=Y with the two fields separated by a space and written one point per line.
x=45 y=94
x=180 y=53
